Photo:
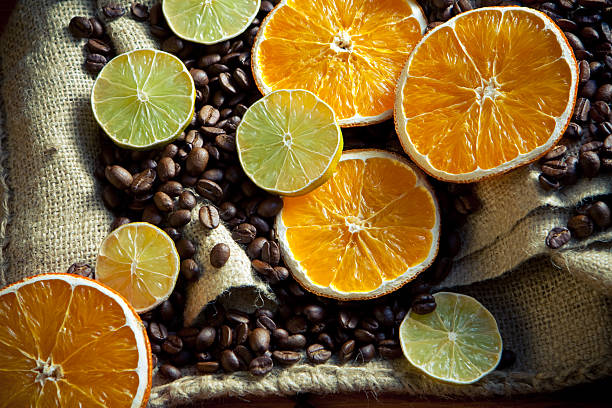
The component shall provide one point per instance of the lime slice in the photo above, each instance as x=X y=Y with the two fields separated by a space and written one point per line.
x=289 y=142
x=459 y=342
x=143 y=98
x=209 y=21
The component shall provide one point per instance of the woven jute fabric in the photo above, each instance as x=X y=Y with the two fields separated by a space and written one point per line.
x=551 y=306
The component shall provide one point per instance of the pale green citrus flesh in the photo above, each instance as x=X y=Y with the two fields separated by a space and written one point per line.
x=459 y=342
x=143 y=98
x=289 y=142
x=209 y=21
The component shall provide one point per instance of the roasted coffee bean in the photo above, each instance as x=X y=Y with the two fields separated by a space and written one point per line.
x=80 y=27
x=270 y=207
x=508 y=358
x=367 y=353
x=347 y=320
x=244 y=356
x=190 y=269
x=187 y=200
x=156 y=348
x=229 y=361
x=571 y=175
x=266 y=322
x=160 y=32
x=179 y=218
x=185 y=248
x=95 y=62
x=555 y=153
x=286 y=357
x=384 y=315
x=554 y=169
x=244 y=233
x=370 y=324
x=174 y=45
x=317 y=354
x=81 y=268
x=197 y=160
x=226 y=83
x=292 y=342
x=573 y=131
x=581 y=226
x=279 y=273
x=139 y=11
x=209 y=190
x=166 y=169
x=242 y=333
x=600 y=112
x=173 y=233
x=261 y=365
x=314 y=313
x=585 y=71
x=97 y=27
x=207 y=367
x=262 y=227
x=226 y=142
x=270 y=253
x=206 y=338
x=254 y=248
x=208 y=115
x=227 y=211
x=423 y=298
x=188 y=335
x=604 y=93
x=199 y=76
x=215 y=175
x=204 y=356
x=548 y=184
x=280 y=334
x=169 y=371
x=166 y=311
x=364 y=336
x=173 y=344
x=297 y=325
x=209 y=59
x=119 y=221
x=605 y=129
x=143 y=181
x=226 y=336
x=113 y=11
x=259 y=340
x=581 y=111
x=163 y=202
x=424 y=308
x=151 y=215
x=389 y=352
x=588 y=89
x=589 y=163
x=209 y=216
x=236 y=316
x=600 y=214
x=346 y=351
x=96 y=46
x=219 y=255
x=593 y=146
x=241 y=78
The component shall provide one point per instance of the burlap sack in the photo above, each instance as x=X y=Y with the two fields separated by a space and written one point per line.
x=559 y=327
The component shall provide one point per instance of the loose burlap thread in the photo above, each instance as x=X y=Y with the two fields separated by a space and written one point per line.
x=52 y=216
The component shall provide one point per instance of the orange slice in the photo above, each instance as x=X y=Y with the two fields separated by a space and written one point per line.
x=140 y=261
x=69 y=341
x=374 y=226
x=487 y=91
x=349 y=53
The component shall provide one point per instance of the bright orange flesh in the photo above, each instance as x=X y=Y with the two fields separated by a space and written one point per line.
x=63 y=343
x=348 y=53
x=366 y=226
x=488 y=88
x=139 y=261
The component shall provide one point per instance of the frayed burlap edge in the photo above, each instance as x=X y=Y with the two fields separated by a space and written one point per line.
x=374 y=377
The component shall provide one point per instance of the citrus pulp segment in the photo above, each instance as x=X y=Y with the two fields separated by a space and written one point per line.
x=139 y=261
x=374 y=226
x=348 y=53
x=209 y=21
x=487 y=91
x=70 y=341
x=143 y=98
x=288 y=142
x=458 y=342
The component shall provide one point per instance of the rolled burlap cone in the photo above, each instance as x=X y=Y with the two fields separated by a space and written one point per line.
x=236 y=277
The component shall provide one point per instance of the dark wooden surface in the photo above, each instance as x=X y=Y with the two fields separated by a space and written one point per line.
x=596 y=395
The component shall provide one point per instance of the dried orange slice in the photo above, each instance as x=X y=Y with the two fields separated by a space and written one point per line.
x=487 y=91
x=69 y=341
x=349 y=53
x=140 y=261
x=374 y=226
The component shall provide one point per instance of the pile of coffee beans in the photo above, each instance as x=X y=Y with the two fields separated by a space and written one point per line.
x=161 y=187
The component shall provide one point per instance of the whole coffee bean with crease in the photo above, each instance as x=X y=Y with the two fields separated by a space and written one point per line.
x=364 y=336
x=229 y=361
x=96 y=46
x=297 y=325
x=187 y=200
x=347 y=320
x=270 y=207
x=226 y=336
x=367 y=352
x=266 y=323
x=209 y=216
x=581 y=226
x=143 y=181
x=166 y=169
x=199 y=76
x=163 y=202
x=236 y=317
x=581 y=110
x=173 y=344
x=548 y=183
x=169 y=371
x=278 y=274
x=207 y=367
x=209 y=190
x=244 y=233
x=197 y=160
x=424 y=308
x=270 y=253
x=261 y=365
x=317 y=354
x=206 y=338
x=241 y=333
x=571 y=175
x=259 y=340
x=292 y=342
x=557 y=237
x=179 y=218
x=600 y=214
x=254 y=248
x=286 y=357
x=219 y=255
x=157 y=332
x=95 y=62
x=80 y=27
x=185 y=248
x=589 y=163
x=190 y=269
x=151 y=215
x=113 y=10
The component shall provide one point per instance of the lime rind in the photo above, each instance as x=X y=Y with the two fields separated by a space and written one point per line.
x=289 y=142
x=459 y=342
x=209 y=21
x=136 y=99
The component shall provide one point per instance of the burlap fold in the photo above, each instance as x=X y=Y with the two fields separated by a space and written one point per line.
x=51 y=216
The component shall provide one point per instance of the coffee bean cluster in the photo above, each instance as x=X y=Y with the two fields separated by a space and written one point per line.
x=162 y=186
x=98 y=48
x=588 y=219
